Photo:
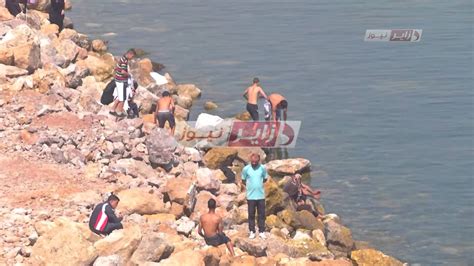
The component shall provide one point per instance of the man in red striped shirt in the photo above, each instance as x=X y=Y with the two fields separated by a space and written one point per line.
x=103 y=219
x=121 y=82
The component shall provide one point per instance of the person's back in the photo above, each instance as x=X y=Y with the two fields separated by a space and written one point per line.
x=210 y=224
x=164 y=111
x=275 y=99
x=253 y=92
x=211 y=228
x=279 y=105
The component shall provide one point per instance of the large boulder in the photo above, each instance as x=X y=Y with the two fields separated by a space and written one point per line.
x=245 y=153
x=161 y=146
x=91 y=91
x=4 y=14
x=308 y=221
x=368 y=257
x=288 y=166
x=65 y=244
x=177 y=189
x=101 y=66
x=134 y=168
x=74 y=74
x=11 y=71
x=140 y=201
x=68 y=49
x=206 y=180
x=338 y=238
x=254 y=247
x=153 y=248
x=121 y=242
x=6 y=57
x=28 y=56
x=189 y=90
x=185 y=257
x=219 y=157
x=45 y=78
x=276 y=199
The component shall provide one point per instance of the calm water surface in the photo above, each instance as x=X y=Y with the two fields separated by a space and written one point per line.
x=388 y=126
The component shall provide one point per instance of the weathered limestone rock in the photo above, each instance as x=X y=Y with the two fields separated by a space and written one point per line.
x=45 y=78
x=64 y=245
x=11 y=71
x=219 y=157
x=140 y=201
x=112 y=260
x=276 y=199
x=210 y=106
x=27 y=56
x=288 y=166
x=338 y=238
x=134 y=168
x=101 y=67
x=185 y=257
x=161 y=146
x=368 y=257
x=206 y=180
x=189 y=90
x=177 y=189
x=91 y=91
x=152 y=248
x=121 y=242
x=99 y=46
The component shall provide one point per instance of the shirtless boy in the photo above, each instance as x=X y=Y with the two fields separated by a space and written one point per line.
x=252 y=94
x=211 y=228
x=165 y=111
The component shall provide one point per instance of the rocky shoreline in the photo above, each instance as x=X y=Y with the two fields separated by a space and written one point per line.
x=61 y=152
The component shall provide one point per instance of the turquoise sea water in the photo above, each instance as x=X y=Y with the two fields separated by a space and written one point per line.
x=388 y=126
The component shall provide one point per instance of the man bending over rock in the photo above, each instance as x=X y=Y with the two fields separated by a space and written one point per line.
x=103 y=219
x=211 y=224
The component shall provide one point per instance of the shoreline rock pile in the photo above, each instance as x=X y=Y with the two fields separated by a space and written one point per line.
x=50 y=117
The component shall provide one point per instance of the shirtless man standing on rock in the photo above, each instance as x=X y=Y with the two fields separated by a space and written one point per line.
x=252 y=94
x=165 y=111
x=211 y=228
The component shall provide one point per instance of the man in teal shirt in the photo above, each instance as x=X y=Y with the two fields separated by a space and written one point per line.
x=253 y=177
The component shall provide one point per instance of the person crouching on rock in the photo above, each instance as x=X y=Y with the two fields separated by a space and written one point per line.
x=121 y=77
x=300 y=193
x=165 y=112
x=211 y=228
x=103 y=219
x=56 y=13
x=253 y=177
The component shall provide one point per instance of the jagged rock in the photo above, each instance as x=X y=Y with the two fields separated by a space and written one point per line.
x=112 y=260
x=229 y=189
x=68 y=49
x=185 y=257
x=184 y=101
x=121 y=242
x=50 y=30
x=161 y=218
x=308 y=221
x=11 y=71
x=65 y=245
x=152 y=248
x=181 y=113
x=185 y=225
x=368 y=257
x=177 y=189
x=245 y=153
x=276 y=199
x=99 y=46
x=245 y=116
x=27 y=56
x=101 y=67
x=288 y=166
x=134 y=168
x=253 y=247
x=91 y=91
x=189 y=90
x=318 y=235
x=273 y=221
x=6 y=57
x=140 y=201
x=86 y=198
x=161 y=146
x=219 y=157
x=338 y=238
x=45 y=78
x=206 y=180
x=74 y=74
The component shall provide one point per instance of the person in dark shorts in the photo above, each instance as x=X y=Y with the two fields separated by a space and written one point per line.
x=103 y=219
x=14 y=7
x=211 y=228
x=279 y=107
x=252 y=94
x=165 y=111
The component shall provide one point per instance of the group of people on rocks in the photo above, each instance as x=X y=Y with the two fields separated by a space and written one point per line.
x=103 y=219
x=56 y=10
